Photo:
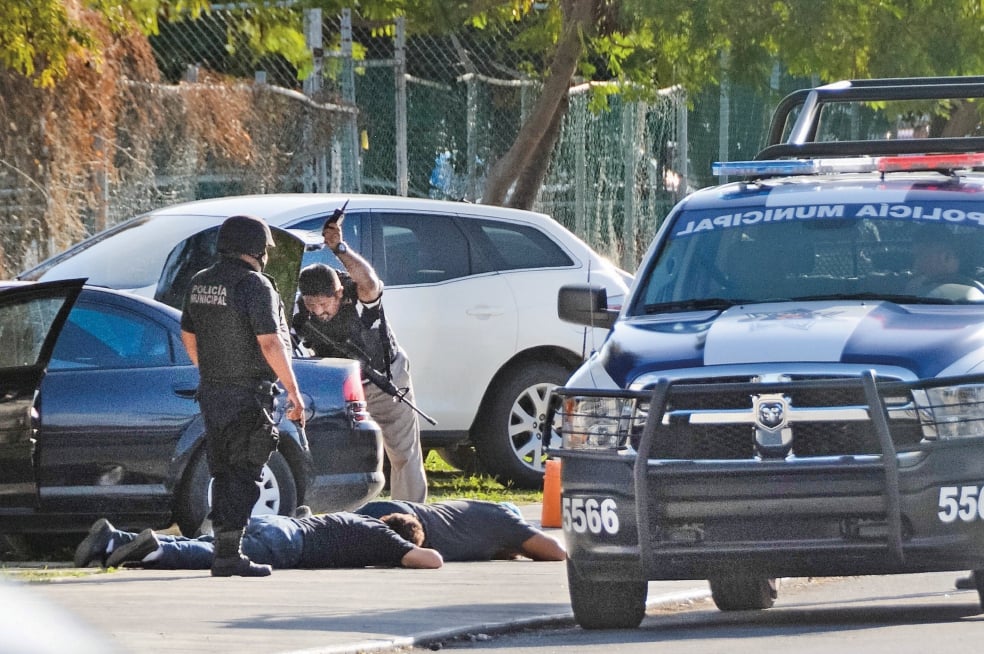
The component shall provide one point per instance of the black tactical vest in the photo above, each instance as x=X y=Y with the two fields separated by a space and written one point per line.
x=366 y=337
x=227 y=348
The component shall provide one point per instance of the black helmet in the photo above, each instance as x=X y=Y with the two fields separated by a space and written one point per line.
x=318 y=279
x=244 y=235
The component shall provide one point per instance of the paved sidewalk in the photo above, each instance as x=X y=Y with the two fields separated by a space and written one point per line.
x=323 y=611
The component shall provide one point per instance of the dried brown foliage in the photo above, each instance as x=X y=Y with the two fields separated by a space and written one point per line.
x=110 y=141
x=54 y=148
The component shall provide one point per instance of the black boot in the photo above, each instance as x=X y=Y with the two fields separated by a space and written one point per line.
x=229 y=559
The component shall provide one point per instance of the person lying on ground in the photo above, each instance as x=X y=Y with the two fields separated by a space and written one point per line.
x=474 y=530
x=330 y=540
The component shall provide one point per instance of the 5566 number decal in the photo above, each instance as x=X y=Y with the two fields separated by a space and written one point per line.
x=590 y=515
x=961 y=502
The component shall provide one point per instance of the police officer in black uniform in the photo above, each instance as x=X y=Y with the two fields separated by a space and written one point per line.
x=235 y=330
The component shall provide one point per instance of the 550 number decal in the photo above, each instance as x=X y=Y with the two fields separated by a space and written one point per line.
x=590 y=515
x=963 y=502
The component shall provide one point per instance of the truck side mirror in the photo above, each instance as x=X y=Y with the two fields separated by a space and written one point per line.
x=584 y=304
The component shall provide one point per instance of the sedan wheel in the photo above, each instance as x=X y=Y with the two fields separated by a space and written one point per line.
x=271 y=489
x=507 y=435
x=278 y=493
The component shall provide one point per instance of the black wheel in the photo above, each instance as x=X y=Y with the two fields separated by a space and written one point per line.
x=14 y=547
x=278 y=492
x=463 y=457
x=743 y=592
x=978 y=577
x=507 y=434
x=606 y=604
x=37 y=547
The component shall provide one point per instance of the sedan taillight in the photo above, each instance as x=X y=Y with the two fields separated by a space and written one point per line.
x=355 y=397
x=352 y=388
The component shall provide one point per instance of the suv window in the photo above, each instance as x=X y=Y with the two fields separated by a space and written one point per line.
x=519 y=246
x=188 y=257
x=421 y=249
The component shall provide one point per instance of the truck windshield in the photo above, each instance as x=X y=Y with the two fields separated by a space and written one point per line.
x=759 y=254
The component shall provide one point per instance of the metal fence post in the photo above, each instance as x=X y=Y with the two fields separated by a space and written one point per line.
x=581 y=171
x=681 y=154
x=471 y=140
x=312 y=36
x=102 y=183
x=350 y=136
x=317 y=179
x=630 y=160
x=400 y=75
x=724 y=113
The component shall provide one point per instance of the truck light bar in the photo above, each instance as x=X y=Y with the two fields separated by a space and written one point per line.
x=930 y=162
x=888 y=164
x=773 y=167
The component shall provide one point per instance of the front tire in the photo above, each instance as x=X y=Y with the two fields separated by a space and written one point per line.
x=507 y=433
x=978 y=577
x=743 y=593
x=606 y=604
x=461 y=456
x=278 y=492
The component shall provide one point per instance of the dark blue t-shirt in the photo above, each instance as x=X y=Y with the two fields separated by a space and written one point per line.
x=462 y=530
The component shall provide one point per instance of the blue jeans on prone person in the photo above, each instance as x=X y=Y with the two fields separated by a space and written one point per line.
x=273 y=539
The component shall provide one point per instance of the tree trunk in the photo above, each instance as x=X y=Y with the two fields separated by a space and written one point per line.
x=530 y=180
x=534 y=134
x=963 y=120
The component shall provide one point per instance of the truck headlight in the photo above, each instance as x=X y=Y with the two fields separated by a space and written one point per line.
x=950 y=412
x=595 y=423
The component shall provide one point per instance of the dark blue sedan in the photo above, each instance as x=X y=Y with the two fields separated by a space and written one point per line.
x=98 y=419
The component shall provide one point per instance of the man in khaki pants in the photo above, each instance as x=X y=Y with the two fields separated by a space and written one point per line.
x=341 y=315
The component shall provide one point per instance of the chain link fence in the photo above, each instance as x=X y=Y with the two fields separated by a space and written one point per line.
x=387 y=109
x=436 y=111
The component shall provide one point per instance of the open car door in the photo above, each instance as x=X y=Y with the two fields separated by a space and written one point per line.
x=31 y=318
x=198 y=252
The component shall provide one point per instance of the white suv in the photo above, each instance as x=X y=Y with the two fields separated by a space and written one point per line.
x=470 y=293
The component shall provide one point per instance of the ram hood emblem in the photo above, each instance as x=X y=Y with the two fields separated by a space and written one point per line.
x=770 y=413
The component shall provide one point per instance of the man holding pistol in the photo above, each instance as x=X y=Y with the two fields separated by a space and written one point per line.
x=341 y=315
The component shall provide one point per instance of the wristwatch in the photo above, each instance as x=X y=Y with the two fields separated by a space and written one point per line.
x=341 y=248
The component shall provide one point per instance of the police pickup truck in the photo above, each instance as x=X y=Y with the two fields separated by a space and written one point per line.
x=795 y=384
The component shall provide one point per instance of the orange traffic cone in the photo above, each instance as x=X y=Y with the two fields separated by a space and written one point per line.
x=550 y=515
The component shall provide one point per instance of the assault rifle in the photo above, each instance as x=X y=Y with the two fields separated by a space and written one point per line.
x=352 y=351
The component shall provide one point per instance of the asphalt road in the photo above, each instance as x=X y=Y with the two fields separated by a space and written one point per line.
x=465 y=606
x=900 y=614
x=324 y=611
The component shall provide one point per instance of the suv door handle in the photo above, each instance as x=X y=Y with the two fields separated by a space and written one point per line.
x=484 y=311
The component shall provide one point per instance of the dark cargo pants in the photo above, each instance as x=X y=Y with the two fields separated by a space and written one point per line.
x=239 y=437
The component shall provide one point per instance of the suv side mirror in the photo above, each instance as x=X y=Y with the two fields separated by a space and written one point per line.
x=584 y=304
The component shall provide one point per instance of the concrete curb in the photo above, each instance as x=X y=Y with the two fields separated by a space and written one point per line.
x=425 y=639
